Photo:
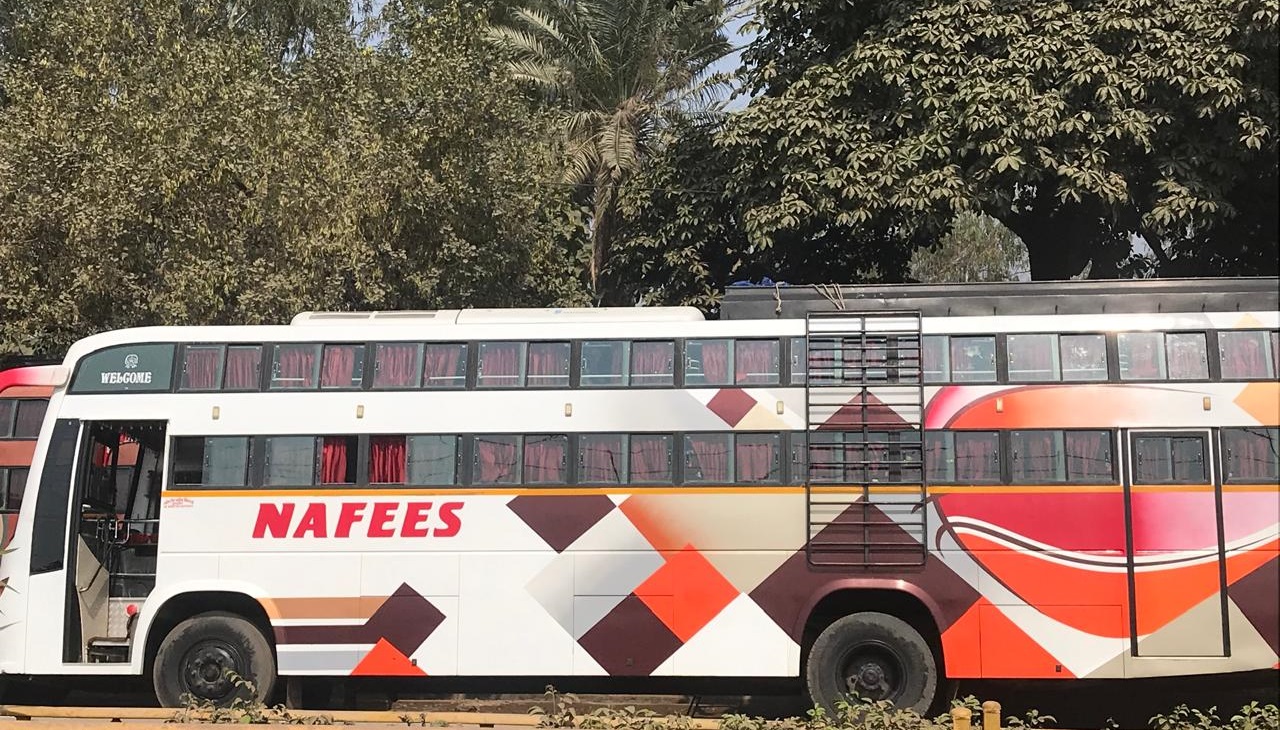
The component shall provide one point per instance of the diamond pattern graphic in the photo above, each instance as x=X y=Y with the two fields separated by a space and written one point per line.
x=559 y=520
x=405 y=620
x=630 y=640
x=852 y=414
x=731 y=405
x=696 y=591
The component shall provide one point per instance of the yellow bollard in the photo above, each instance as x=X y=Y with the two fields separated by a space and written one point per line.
x=961 y=718
x=990 y=715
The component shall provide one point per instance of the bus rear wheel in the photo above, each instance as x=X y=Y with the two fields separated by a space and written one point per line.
x=214 y=658
x=871 y=656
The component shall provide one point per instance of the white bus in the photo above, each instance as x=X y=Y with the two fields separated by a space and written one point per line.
x=883 y=492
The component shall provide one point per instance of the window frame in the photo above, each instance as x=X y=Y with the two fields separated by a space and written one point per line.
x=1269 y=338
x=676 y=350
x=949 y=437
x=252 y=463
x=220 y=379
x=1203 y=435
x=1224 y=456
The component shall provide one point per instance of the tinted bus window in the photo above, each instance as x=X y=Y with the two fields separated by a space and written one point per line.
x=244 y=368
x=1084 y=357
x=445 y=365
x=604 y=364
x=707 y=362
x=757 y=457
x=342 y=367
x=937 y=359
x=497 y=460
x=201 y=367
x=1188 y=356
x=546 y=459
x=7 y=408
x=501 y=365
x=1033 y=358
x=708 y=458
x=756 y=362
x=602 y=458
x=1169 y=459
x=1037 y=456
x=1246 y=355
x=653 y=363
x=1089 y=457
x=211 y=462
x=289 y=461
x=1251 y=455
x=548 y=364
x=295 y=367
x=651 y=458
x=397 y=365
x=29 y=417
x=146 y=368
x=973 y=359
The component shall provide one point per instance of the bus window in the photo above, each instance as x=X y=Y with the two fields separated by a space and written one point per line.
x=708 y=458
x=433 y=460
x=295 y=367
x=604 y=363
x=201 y=367
x=244 y=368
x=653 y=363
x=445 y=365
x=1169 y=460
x=755 y=362
x=6 y=417
x=501 y=365
x=216 y=461
x=1084 y=357
x=29 y=418
x=798 y=360
x=289 y=461
x=545 y=459
x=707 y=362
x=397 y=365
x=937 y=363
x=342 y=367
x=602 y=458
x=1188 y=356
x=1033 y=358
x=1142 y=356
x=1037 y=457
x=650 y=458
x=1089 y=458
x=1246 y=355
x=497 y=460
x=973 y=359
x=964 y=457
x=338 y=459
x=14 y=483
x=757 y=457
x=1251 y=455
x=549 y=364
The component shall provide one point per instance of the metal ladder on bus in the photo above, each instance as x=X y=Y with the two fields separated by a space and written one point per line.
x=864 y=485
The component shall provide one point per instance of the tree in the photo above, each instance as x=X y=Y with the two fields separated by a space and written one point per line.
x=617 y=73
x=156 y=169
x=977 y=248
x=1077 y=124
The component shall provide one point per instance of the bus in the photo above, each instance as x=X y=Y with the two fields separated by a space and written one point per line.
x=874 y=490
x=24 y=397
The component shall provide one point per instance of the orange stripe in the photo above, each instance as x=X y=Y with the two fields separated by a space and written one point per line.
x=353 y=607
x=786 y=489
x=17 y=453
x=27 y=391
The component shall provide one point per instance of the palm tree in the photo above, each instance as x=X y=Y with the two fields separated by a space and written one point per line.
x=616 y=73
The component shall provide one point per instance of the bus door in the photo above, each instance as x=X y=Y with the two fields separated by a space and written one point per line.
x=1176 y=557
x=114 y=550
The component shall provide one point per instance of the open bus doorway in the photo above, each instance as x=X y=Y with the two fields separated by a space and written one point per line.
x=121 y=467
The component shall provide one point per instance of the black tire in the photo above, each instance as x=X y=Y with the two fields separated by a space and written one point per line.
x=196 y=655
x=878 y=656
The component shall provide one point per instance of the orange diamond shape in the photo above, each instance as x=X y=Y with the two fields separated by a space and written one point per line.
x=692 y=586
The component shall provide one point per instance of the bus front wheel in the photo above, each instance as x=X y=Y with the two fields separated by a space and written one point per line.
x=871 y=656
x=215 y=658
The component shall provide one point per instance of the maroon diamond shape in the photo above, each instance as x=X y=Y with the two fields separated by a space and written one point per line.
x=731 y=404
x=630 y=640
x=559 y=520
x=1255 y=596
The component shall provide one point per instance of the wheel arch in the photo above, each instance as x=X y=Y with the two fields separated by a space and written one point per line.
x=898 y=598
x=181 y=606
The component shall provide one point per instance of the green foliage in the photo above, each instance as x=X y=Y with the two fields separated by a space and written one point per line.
x=616 y=74
x=977 y=248
x=159 y=165
x=1076 y=124
x=242 y=711
x=1253 y=716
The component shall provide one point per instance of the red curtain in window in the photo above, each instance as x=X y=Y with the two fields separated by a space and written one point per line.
x=649 y=459
x=441 y=363
x=1088 y=456
x=1242 y=357
x=338 y=368
x=242 y=368
x=548 y=364
x=544 y=460
x=602 y=461
x=387 y=459
x=296 y=366
x=713 y=458
x=715 y=361
x=1187 y=357
x=1143 y=360
x=1031 y=353
x=755 y=461
x=1251 y=456
x=935 y=458
x=975 y=459
x=652 y=358
x=500 y=361
x=397 y=366
x=1035 y=460
x=202 y=368
x=754 y=363
x=496 y=460
x=333 y=460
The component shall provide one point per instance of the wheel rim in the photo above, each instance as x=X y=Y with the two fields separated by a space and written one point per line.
x=873 y=670
x=207 y=670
